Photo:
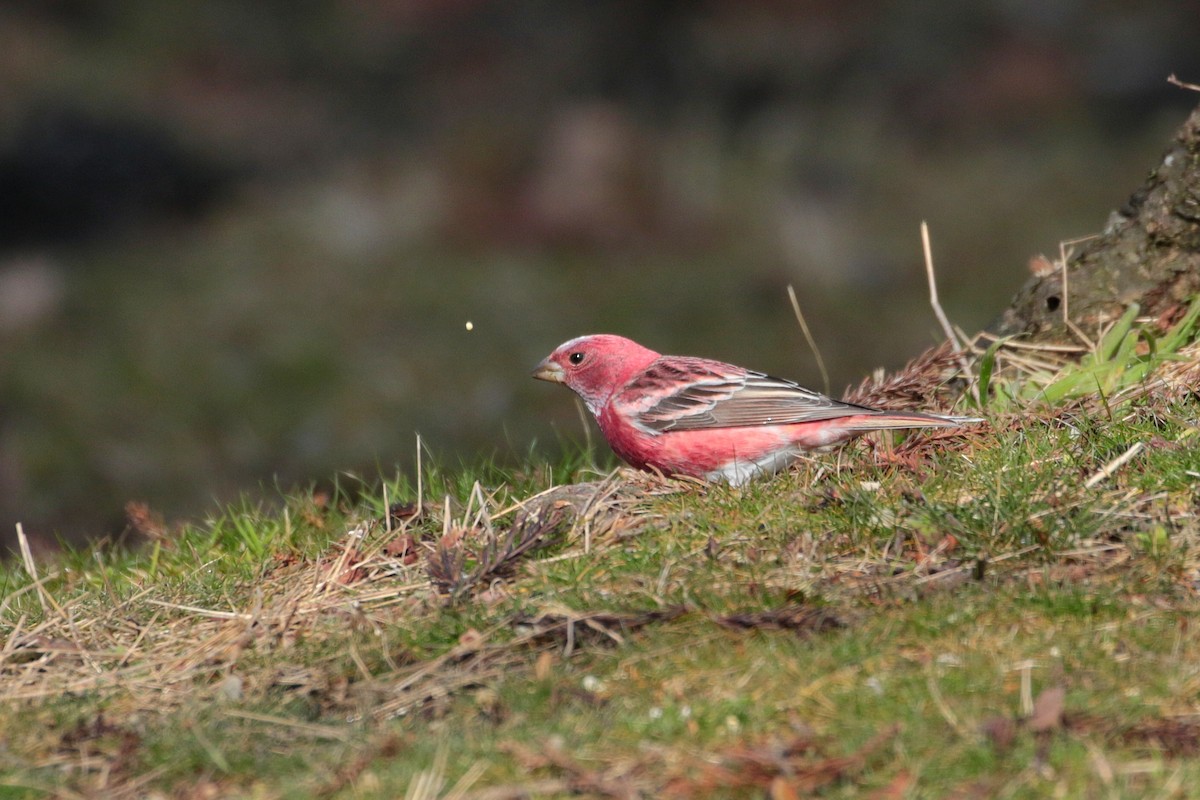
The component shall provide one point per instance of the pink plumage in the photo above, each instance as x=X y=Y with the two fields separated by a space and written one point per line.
x=695 y=416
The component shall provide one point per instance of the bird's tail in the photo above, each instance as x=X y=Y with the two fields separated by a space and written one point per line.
x=891 y=420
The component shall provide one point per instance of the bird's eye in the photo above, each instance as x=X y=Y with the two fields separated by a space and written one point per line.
x=575 y=358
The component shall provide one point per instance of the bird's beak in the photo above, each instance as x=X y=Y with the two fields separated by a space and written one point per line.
x=549 y=371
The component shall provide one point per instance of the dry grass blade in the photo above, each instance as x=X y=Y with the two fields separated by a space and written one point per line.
x=1114 y=465
x=309 y=728
x=203 y=612
x=31 y=569
x=947 y=328
x=808 y=337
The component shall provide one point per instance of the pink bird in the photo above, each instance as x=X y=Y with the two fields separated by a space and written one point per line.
x=695 y=416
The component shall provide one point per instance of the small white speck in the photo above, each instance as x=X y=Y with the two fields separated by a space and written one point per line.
x=592 y=684
x=656 y=713
x=733 y=724
x=470 y=325
x=230 y=689
x=685 y=712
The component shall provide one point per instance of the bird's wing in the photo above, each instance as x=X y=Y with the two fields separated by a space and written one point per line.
x=678 y=394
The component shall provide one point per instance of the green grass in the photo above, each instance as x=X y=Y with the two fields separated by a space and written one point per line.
x=891 y=620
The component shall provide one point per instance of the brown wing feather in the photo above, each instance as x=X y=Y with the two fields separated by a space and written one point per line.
x=715 y=395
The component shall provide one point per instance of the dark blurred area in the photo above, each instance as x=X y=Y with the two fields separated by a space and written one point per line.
x=70 y=176
x=240 y=243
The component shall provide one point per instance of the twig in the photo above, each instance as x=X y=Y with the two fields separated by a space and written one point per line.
x=1171 y=79
x=1026 y=668
x=947 y=328
x=524 y=503
x=944 y=708
x=933 y=292
x=808 y=336
x=1115 y=465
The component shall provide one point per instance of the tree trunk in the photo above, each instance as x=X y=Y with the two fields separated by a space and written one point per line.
x=1149 y=253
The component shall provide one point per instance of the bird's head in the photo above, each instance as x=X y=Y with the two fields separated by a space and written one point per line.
x=595 y=366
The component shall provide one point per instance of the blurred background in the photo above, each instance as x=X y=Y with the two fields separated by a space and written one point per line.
x=240 y=242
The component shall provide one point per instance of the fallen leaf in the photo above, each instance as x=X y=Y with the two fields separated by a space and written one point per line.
x=400 y=512
x=1048 y=710
x=403 y=548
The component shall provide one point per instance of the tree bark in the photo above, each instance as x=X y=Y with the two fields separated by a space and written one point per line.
x=1149 y=253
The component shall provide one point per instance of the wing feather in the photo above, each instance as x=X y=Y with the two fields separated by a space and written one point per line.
x=677 y=394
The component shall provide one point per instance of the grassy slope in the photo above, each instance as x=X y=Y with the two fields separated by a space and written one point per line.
x=981 y=615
